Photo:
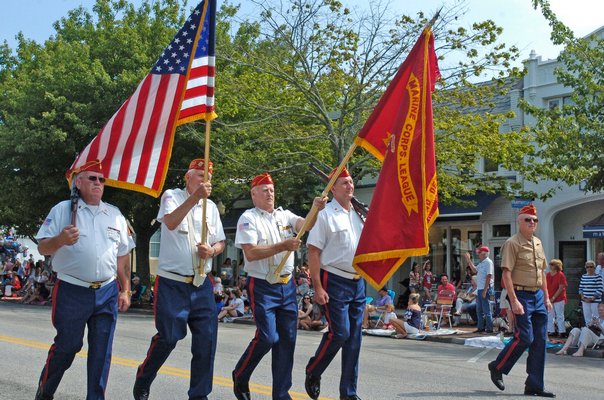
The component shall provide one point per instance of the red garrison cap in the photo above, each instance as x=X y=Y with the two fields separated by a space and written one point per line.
x=343 y=174
x=92 y=166
x=530 y=210
x=262 y=179
x=483 y=248
x=198 y=163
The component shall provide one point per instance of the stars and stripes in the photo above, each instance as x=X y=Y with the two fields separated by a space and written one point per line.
x=135 y=145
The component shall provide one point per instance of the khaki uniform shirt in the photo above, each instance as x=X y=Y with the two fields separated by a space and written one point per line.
x=525 y=259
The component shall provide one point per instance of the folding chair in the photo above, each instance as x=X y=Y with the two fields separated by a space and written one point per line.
x=442 y=307
x=378 y=320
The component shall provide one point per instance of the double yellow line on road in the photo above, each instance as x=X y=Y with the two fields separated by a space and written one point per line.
x=218 y=380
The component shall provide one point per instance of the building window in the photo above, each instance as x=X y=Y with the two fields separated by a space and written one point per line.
x=502 y=230
x=154 y=244
x=490 y=166
x=553 y=103
x=567 y=101
x=474 y=240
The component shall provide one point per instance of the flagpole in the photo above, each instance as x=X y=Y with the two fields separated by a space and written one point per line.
x=204 y=201
x=434 y=18
x=314 y=210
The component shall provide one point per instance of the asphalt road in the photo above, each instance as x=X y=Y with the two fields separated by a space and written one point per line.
x=389 y=368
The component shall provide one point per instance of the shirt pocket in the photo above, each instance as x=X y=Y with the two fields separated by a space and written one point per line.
x=183 y=227
x=340 y=231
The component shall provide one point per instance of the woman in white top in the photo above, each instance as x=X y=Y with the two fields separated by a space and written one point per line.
x=586 y=336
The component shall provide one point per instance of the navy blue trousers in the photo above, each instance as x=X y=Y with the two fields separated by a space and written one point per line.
x=531 y=334
x=344 y=313
x=178 y=304
x=276 y=314
x=73 y=308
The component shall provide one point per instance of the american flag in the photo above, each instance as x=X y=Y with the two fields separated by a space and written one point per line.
x=135 y=146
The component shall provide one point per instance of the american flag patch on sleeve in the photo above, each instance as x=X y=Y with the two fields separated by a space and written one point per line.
x=47 y=221
x=244 y=226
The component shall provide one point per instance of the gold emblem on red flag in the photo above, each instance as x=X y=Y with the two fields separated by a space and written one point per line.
x=409 y=195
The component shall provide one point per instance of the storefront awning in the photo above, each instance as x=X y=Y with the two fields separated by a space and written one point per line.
x=594 y=228
x=457 y=213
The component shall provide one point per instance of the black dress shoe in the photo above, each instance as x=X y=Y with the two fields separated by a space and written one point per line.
x=312 y=384
x=537 y=392
x=140 y=392
x=355 y=397
x=241 y=389
x=42 y=396
x=497 y=377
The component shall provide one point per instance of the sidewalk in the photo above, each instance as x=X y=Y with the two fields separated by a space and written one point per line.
x=467 y=332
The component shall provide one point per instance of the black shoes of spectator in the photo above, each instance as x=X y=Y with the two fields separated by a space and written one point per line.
x=140 y=393
x=312 y=384
x=355 y=397
x=537 y=392
x=497 y=377
x=478 y=331
x=42 y=396
x=241 y=389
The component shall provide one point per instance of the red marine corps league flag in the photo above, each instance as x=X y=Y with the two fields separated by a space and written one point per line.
x=134 y=147
x=400 y=133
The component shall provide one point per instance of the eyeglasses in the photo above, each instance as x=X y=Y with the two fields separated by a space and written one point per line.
x=94 y=178
x=529 y=220
x=589 y=266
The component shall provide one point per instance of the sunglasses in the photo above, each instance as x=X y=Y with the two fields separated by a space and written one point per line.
x=589 y=267
x=93 y=178
x=529 y=220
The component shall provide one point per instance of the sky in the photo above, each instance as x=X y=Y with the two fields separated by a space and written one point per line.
x=522 y=25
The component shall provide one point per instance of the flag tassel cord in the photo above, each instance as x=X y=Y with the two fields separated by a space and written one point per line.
x=314 y=210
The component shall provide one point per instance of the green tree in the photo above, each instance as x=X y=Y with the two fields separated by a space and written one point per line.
x=303 y=76
x=295 y=83
x=55 y=97
x=570 y=138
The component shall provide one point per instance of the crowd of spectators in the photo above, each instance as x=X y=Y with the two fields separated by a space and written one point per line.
x=21 y=277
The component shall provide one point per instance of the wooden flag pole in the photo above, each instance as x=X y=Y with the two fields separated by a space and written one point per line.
x=314 y=210
x=204 y=201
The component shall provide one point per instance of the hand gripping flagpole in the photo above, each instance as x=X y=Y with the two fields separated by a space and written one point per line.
x=314 y=210
x=75 y=195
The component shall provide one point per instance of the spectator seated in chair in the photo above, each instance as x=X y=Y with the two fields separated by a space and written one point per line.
x=466 y=303
x=587 y=336
x=378 y=306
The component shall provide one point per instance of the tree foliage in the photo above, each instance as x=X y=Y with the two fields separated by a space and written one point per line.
x=56 y=96
x=309 y=72
x=570 y=138
x=296 y=81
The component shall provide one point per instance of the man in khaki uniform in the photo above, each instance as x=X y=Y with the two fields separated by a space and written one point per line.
x=523 y=263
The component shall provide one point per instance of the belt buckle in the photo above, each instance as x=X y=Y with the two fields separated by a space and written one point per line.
x=95 y=285
x=356 y=277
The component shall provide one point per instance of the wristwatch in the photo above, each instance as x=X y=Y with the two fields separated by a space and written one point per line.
x=128 y=292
